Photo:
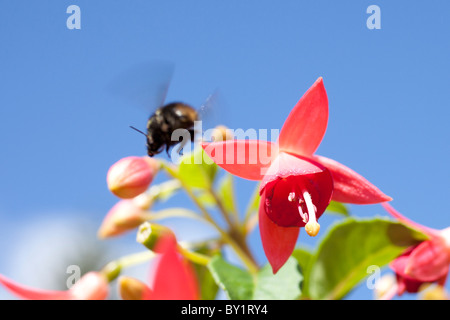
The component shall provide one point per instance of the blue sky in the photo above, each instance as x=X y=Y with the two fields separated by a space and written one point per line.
x=61 y=129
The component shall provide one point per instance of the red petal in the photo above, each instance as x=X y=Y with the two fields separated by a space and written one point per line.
x=172 y=277
x=399 y=263
x=285 y=165
x=397 y=215
x=407 y=284
x=248 y=159
x=404 y=281
x=305 y=126
x=278 y=242
x=289 y=174
x=25 y=292
x=350 y=187
x=429 y=261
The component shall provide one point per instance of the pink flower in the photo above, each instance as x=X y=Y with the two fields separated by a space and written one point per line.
x=296 y=185
x=171 y=277
x=426 y=262
x=92 y=286
x=131 y=176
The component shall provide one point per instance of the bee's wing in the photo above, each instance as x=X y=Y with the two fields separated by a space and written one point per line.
x=145 y=84
x=211 y=113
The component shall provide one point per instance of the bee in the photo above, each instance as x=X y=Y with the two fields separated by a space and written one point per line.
x=164 y=121
x=147 y=84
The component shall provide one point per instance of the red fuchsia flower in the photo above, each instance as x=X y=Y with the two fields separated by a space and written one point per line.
x=296 y=185
x=92 y=286
x=171 y=277
x=427 y=262
x=131 y=176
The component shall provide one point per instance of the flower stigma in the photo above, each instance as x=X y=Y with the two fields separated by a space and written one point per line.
x=312 y=227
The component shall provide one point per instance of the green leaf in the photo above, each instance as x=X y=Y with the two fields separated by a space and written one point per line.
x=208 y=286
x=284 y=285
x=236 y=282
x=205 y=198
x=197 y=170
x=304 y=258
x=349 y=248
x=239 y=284
x=226 y=193
x=338 y=208
x=253 y=204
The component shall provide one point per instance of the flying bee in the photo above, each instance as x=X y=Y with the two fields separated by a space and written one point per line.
x=165 y=120
x=147 y=84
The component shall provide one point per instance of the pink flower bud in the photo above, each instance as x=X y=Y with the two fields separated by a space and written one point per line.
x=222 y=133
x=124 y=216
x=131 y=176
x=92 y=286
x=133 y=289
x=434 y=292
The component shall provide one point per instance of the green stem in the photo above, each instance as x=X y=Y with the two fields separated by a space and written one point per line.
x=252 y=205
x=251 y=224
x=248 y=260
x=222 y=209
x=113 y=268
x=238 y=234
x=195 y=257
x=174 y=213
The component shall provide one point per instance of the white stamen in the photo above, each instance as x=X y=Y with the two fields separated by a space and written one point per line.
x=291 y=196
x=302 y=214
x=310 y=206
x=312 y=227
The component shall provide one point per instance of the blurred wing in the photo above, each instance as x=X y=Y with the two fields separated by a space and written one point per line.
x=144 y=84
x=209 y=111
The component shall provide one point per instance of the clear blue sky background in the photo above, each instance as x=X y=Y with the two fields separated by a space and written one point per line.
x=61 y=129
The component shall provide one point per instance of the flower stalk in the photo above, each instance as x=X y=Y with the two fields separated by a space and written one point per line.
x=241 y=250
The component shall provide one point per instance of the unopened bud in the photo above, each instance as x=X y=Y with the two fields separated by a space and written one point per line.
x=131 y=176
x=111 y=271
x=149 y=234
x=433 y=292
x=385 y=287
x=91 y=286
x=133 y=289
x=222 y=133
x=124 y=216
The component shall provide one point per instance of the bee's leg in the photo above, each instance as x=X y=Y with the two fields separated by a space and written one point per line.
x=192 y=133
x=180 y=147
x=167 y=151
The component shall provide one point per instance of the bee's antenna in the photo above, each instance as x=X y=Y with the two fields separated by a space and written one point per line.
x=138 y=130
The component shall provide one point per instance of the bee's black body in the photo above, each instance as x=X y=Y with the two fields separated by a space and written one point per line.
x=164 y=122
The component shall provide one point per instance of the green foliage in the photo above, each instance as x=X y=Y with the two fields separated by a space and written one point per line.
x=349 y=248
x=208 y=287
x=164 y=191
x=225 y=191
x=196 y=170
x=254 y=201
x=338 y=208
x=239 y=284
